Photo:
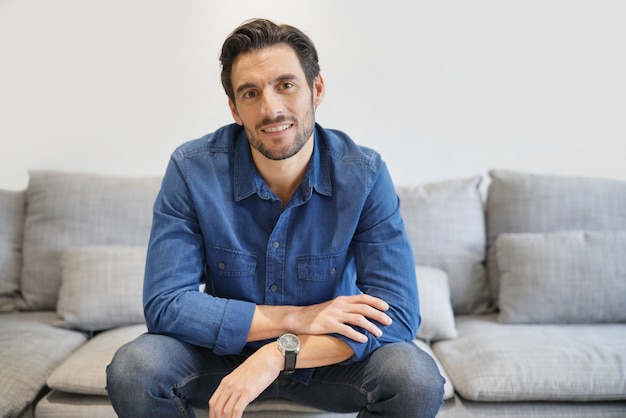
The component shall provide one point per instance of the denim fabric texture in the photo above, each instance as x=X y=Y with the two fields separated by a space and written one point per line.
x=160 y=376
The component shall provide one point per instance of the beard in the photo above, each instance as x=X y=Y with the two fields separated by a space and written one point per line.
x=288 y=148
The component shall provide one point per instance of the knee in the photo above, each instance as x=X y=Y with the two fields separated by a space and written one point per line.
x=130 y=364
x=427 y=379
x=413 y=374
x=121 y=368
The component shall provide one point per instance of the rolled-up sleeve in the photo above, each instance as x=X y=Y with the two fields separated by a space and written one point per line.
x=385 y=266
x=174 y=305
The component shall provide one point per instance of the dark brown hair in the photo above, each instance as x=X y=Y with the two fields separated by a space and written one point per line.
x=257 y=34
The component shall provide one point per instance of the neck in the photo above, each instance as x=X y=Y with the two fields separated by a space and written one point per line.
x=284 y=176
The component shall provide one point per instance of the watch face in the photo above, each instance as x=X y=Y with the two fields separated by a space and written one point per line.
x=289 y=342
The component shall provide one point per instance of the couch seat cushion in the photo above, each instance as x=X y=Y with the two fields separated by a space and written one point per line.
x=70 y=405
x=84 y=372
x=491 y=361
x=31 y=348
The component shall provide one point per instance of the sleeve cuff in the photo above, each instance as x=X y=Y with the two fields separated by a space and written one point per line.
x=361 y=350
x=235 y=327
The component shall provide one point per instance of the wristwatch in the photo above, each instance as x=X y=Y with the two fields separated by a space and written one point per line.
x=289 y=345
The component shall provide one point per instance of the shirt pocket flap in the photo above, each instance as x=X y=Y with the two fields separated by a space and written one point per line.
x=225 y=262
x=321 y=268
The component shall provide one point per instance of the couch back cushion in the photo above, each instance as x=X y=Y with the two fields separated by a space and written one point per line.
x=12 y=210
x=540 y=203
x=77 y=209
x=445 y=222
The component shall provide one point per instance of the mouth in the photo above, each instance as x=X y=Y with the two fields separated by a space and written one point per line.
x=278 y=128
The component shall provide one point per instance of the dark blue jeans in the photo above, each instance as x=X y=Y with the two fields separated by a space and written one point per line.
x=158 y=376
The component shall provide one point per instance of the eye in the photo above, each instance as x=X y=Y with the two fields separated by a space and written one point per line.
x=287 y=85
x=249 y=94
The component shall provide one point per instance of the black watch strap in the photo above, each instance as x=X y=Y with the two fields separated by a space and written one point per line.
x=290 y=361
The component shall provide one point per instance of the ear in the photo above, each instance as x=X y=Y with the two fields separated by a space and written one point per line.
x=233 y=111
x=318 y=90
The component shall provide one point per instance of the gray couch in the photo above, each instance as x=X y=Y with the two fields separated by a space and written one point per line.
x=523 y=293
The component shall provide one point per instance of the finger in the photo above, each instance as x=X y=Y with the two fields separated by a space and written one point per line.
x=374 y=314
x=350 y=322
x=217 y=403
x=363 y=300
x=349 y=332
x=362 y=322
x=373 y=301
x=234 y=407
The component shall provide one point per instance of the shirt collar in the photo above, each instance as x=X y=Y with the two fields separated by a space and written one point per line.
x=248 y=181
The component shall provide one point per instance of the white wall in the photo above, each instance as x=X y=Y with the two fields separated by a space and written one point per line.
x=442 y=89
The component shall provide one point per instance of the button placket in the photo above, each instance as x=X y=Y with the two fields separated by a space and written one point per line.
x=276 y=256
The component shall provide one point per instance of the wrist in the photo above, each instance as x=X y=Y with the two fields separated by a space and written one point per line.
x=291 y=320
x=273 y=357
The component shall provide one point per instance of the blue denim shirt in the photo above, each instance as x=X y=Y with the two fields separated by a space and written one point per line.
x=216 y=221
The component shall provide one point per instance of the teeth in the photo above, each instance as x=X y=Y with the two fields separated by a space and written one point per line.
x=277 y=129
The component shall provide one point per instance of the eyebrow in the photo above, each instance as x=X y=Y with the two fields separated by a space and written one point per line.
x=285 y=77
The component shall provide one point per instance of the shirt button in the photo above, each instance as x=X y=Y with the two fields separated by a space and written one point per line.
x=221 y=266
x=275 y=244
x=274 y=288
x=333 y=271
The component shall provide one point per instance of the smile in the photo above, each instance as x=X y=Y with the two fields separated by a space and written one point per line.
x=277 y=128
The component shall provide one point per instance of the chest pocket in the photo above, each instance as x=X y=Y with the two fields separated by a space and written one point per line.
x=230 y=273
x=319 y=277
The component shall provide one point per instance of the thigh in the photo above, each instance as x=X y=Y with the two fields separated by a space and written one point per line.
x=398 y=379
x=159 y=368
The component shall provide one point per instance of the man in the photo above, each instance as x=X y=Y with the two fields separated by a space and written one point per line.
x=310 y=291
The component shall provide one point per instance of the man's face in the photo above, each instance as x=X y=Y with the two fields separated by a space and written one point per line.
x=273 y=101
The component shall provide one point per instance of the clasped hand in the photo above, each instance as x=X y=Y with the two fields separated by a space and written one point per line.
x=340 y=315
x=337 y=316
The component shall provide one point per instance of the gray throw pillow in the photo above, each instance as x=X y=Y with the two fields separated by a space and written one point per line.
x=435 y=308
x=521 y=202
x=562 y=277
x=101 y=287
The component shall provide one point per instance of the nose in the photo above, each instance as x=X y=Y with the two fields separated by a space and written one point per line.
x=271 y=104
